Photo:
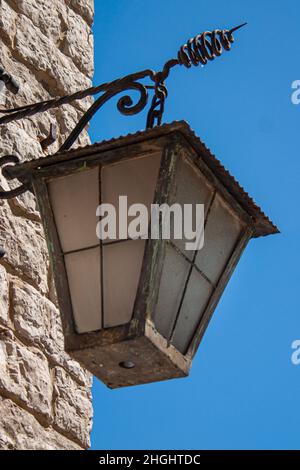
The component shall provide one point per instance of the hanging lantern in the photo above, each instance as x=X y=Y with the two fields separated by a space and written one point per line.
x=135 y=310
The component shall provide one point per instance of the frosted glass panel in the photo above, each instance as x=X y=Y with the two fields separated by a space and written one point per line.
x=122 y=262
x=74 y=200
x=174 y=275
x=221 y=234
x=135 y=178
x=195 y=300
x=83 y=271
x=191 y=188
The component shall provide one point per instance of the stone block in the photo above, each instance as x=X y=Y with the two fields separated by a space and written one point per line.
x=26 y=250
x=25 y=376
x=72 y=407
x=20 y=430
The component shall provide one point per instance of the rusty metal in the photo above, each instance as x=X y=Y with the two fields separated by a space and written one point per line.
x=51 y=137
x=206 y=46
x=200 y=49
x=10 y=83
x=6 y=162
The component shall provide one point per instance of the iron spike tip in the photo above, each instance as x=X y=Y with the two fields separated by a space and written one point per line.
x=237 y=27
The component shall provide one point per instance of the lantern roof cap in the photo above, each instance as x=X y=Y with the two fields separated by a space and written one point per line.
x=262 y=224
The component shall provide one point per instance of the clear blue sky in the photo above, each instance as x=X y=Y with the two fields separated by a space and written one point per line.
x=243 y=391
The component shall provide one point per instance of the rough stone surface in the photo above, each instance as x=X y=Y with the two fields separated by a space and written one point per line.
x=25 y=375
x=72 y=407
x=23 y=240
x=84 y=7
x=45 y=398
x=36 y=319
x=4 y=302
x=41 y=54
x=33 y=48
x=20 y=430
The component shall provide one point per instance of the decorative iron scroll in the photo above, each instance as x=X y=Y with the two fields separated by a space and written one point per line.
x=198 y=50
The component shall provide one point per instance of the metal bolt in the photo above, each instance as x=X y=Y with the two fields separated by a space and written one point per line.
x=127 y=364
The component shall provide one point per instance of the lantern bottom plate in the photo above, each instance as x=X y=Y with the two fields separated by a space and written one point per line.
x=148 y=360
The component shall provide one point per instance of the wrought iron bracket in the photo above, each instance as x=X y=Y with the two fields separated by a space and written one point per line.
x=201 y=49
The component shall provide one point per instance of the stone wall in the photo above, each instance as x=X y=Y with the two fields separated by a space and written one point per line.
x=45 y=398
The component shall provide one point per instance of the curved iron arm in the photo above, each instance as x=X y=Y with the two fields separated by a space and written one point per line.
x=198 y=50
x=125 y=104
x=4 y=162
